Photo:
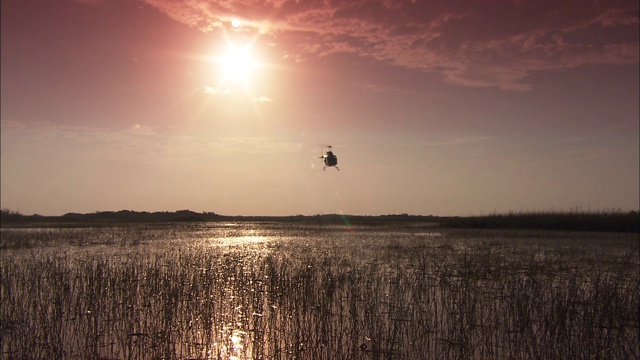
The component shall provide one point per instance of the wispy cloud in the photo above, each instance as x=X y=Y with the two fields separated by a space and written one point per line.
x=216 y=91
x=136 y=144
x=450 y=141
x=263 y=99
x=471 y=43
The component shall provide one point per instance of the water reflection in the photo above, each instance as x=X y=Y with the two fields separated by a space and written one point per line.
x=241 y=240
x=238 y=241
x=237 y=339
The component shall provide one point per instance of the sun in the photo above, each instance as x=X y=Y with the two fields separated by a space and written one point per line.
x=237 y=64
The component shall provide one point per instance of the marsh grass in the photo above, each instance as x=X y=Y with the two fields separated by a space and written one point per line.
x=571 y=220
x=272 y=291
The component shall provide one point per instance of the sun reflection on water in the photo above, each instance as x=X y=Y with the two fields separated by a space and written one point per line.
x=240 y=240
x=237 y=339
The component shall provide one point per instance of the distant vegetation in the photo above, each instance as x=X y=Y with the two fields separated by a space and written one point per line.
x=609 y=221
x=188 y=215
x=575 y=220
x=122 y=215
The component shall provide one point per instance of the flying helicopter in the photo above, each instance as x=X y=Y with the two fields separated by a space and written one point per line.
x=329 y=158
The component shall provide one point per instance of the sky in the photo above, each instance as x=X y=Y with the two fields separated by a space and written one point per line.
x=432 y=107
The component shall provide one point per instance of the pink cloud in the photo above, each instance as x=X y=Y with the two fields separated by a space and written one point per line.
x=478 y=43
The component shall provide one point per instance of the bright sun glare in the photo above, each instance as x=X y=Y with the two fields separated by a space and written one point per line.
x=237 y=64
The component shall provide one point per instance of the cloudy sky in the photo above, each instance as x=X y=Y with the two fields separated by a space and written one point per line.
x=432 y=107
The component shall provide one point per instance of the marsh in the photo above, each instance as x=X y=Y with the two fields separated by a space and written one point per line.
x=281 y=290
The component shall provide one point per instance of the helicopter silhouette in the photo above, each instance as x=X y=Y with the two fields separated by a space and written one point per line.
x=329 y=159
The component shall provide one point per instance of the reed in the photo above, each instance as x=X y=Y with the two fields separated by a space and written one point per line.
x=272 y=292
x=571 y=220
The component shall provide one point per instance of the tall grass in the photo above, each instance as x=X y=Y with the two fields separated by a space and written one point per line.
x=572 y=220
x=323 y=293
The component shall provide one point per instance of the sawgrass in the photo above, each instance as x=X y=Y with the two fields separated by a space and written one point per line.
x=265 y=291
x=572 y=220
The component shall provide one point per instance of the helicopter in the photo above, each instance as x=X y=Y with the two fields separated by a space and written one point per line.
x=329 y=159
